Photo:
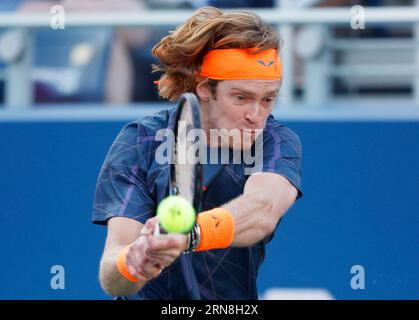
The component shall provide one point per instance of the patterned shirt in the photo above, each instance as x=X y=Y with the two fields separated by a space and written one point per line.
x=131 y=183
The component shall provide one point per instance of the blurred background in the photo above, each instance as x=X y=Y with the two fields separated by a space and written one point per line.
x=73 y=72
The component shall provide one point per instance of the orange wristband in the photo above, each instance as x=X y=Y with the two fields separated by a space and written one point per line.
x=217 y=229
x=122 y=267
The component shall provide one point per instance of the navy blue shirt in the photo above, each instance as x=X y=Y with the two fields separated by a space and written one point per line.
x=131 y=182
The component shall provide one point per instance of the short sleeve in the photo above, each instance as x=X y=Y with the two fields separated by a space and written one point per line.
x=282 y=153
x=121 y=189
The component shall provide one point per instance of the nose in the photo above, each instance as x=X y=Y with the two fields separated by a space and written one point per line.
x=253 y=115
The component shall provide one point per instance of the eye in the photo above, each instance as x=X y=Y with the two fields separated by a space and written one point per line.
x=240 y=98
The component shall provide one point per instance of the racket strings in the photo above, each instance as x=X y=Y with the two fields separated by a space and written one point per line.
x=185 y=164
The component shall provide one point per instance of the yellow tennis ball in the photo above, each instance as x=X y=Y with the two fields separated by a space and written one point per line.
x=176 y=214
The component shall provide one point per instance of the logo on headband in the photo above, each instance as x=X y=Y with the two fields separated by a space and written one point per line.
x=264 y=64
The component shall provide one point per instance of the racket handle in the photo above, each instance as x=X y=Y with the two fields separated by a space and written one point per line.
x=157 y=230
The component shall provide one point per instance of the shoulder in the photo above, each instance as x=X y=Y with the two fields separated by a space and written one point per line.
x=156 y=121
x=137 y=141
x=276 y=133
x=145 y=128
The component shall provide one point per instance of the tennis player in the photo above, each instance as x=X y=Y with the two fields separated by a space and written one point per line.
x=230 y=60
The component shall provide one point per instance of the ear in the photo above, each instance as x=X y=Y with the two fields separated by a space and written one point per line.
x=203 y=91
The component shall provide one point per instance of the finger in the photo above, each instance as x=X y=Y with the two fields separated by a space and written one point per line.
x=137 y=258
x=151 y=269
x=133 y=260
x=167 y=242
x=170 y=254
x=163 y=261
x=149 y=226
x=132 y=270
x=154 y=262
x=144 y=268
x=160 y=258
x=151 y=223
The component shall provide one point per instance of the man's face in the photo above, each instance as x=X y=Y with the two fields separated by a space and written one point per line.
x=240 y=104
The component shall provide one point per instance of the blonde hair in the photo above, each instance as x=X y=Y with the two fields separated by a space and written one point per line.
x=181 y=52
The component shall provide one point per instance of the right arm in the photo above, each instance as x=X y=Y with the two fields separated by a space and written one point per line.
x=146 y=258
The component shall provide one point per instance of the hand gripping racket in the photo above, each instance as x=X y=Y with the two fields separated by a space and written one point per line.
x=186 y=171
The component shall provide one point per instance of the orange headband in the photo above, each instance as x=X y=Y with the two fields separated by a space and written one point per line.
x=233 y=64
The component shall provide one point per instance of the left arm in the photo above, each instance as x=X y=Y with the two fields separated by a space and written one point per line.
x=266 y=198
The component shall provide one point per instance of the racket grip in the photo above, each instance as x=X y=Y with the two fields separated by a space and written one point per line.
x=157 y=230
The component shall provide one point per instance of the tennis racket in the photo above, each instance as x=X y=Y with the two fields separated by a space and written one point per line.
x=186 y=172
